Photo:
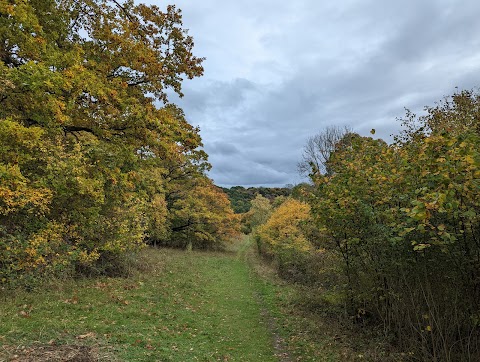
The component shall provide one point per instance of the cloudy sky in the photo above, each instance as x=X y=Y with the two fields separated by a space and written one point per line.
x=277 y=72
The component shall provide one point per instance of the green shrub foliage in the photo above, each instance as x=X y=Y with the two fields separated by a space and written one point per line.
x=402 y=222
x=405 y=220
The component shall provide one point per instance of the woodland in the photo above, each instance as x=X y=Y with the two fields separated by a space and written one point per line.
x=96 y=164
x=91 y=167
x=241 y=197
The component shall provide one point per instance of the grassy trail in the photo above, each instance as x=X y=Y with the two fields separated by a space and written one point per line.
x=184 y=307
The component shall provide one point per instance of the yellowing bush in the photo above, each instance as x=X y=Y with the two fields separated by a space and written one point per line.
x=283 y=230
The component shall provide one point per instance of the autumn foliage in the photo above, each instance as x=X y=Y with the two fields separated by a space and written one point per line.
x=283 y=229
x=401 y=221
x=93 y=158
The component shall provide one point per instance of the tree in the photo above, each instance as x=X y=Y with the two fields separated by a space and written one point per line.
x=241 y=197
x=404 y=219
x=259 y=212
x=89 y=156
x=318 y=149
x=283 y=229
x=201 y=217
x=458 y=113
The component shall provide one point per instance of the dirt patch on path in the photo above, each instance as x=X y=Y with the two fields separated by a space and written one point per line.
x=50 y=353
x=278 y=342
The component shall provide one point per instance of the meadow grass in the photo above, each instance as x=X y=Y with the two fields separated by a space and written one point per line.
x=182 y=307
x=178 y=306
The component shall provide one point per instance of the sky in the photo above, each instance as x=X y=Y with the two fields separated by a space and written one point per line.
x=278 y=72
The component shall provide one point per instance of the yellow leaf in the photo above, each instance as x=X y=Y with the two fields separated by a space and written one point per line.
x=87 y=335
x=469 y=159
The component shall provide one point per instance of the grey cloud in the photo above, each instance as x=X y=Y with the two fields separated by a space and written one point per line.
x=252 y=173
x=222 y=148
x=217 y=94
x=278 y=72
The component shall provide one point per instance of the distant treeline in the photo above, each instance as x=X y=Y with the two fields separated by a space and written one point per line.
x=241 y=197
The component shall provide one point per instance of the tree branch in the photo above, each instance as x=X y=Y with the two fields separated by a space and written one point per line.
x=72 y=129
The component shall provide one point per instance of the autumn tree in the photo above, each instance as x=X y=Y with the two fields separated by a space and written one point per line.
x=404 y=220
x=258 y=214
x=92 y=153
x=201 y=217
x=281 y=236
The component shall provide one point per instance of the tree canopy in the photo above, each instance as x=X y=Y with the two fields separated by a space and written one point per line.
x=93 y=157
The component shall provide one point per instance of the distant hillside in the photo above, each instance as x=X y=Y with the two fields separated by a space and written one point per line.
x=240 y=196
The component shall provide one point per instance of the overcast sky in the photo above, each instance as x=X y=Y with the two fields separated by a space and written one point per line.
x=277 y=72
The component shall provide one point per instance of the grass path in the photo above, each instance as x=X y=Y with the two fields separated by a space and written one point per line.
x=180 y=307
x=184 y=307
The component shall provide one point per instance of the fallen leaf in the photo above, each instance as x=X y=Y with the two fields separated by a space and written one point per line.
x=24 y=314
x=87 y=335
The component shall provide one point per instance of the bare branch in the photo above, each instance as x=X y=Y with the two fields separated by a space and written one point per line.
x=318 y=148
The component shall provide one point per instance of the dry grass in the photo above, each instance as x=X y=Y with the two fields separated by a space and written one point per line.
x=55 y=353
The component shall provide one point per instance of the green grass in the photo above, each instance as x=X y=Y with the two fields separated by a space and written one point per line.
x=184 y=307
x=181 y=306
x=307 y=336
